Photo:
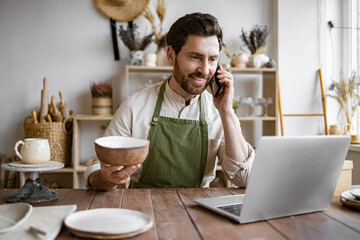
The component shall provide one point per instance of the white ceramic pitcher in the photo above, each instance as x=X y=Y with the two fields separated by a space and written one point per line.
x=33 y=151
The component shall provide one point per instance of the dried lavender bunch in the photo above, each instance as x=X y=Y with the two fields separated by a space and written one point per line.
x=255 y=40
x=103 y=89
x=131 y=38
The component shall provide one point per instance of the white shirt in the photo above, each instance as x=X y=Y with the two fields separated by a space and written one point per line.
x=134 y=116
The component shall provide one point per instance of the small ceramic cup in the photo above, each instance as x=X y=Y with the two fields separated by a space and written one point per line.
x=33 y=150
x=150 y=59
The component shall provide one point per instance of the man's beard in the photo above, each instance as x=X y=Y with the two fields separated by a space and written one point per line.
x=184 y=82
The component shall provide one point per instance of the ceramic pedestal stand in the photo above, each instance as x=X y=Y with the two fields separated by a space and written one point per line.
x=33 y=191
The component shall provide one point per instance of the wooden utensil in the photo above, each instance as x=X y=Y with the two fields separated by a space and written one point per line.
x=33 y=113
x=56 y=114
x=44 y=102
x=48 y=118
x=63 y=106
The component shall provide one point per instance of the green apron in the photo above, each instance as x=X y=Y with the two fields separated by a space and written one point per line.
x=178 y=151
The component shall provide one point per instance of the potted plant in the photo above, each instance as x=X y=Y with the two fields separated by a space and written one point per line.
x=255 y=41
x=101 y=98
x=159 y=35
x=345 y=93
x=134 y=43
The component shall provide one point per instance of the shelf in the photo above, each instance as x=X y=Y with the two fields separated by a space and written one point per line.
x=269 y=123
x=265 y=78
x=89 y=117
x=252 y=70
x=78 y=169
x=257 y=118
x=81 y=168
x=131 y=68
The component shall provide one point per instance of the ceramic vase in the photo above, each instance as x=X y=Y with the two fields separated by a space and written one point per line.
x=161 y=57
x=136 y=57
x=241 y=60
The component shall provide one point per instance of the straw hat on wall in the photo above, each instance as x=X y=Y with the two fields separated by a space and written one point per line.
x=122 y=10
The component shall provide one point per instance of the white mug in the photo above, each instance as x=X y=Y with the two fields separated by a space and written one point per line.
x=34 y=150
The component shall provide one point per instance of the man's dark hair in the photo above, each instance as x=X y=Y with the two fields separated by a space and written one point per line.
x=202 y=24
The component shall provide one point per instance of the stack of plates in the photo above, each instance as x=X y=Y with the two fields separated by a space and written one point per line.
x=351 y=198
x=108 y=223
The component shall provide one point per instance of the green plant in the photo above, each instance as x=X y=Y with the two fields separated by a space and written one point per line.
x=236 y=102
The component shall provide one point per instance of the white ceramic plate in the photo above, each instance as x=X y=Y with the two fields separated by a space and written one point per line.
x=356 y=192
x=349 y=200
x=13 y=215
x=22 y=164
x=108 y=223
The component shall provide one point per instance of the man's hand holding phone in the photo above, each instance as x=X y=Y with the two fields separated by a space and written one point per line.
x=216 y=85
x=222 y=89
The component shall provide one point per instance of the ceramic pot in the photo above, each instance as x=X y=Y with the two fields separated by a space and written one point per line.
x=136 y=57
x=241 y=60
x=150 y=60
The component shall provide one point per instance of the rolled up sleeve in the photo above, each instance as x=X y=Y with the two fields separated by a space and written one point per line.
x=95 y=165
x=238 y=172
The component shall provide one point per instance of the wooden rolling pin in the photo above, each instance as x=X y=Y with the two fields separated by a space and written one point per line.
x=63 y=106
x=33 y=113
x=44 y=103
x=56 y=114
x=48 y=118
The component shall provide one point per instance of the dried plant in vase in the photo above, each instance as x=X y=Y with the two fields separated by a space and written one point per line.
x=101 y=98
x=134 y=43
x=159 y=35
x=230 y=54
x=255 y=41
x=345 y=93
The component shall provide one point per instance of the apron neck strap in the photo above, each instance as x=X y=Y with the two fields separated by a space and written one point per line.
x=161 y=98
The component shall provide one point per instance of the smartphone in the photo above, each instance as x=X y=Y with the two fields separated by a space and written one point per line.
x=216 y=86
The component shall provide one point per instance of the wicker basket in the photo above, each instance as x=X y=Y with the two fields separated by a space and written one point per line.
x=59 y=138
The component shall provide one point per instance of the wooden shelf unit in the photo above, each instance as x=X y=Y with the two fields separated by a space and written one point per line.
x=76 y=168
x=267 y=79
x=269 y=123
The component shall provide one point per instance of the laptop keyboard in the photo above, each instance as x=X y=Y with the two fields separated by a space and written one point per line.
x=234 y=208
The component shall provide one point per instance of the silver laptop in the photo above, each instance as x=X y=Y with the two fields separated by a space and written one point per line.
x=290 y=175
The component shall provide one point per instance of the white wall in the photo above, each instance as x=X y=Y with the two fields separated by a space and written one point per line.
x=299 y=60
x=69 y=42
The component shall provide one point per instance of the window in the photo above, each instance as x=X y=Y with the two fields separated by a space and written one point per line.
x=352 y=52
x=357 y=51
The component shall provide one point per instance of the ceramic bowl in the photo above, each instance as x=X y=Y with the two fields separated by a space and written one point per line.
x=121 y=151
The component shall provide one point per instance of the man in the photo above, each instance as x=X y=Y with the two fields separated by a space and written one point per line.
x=187 y=126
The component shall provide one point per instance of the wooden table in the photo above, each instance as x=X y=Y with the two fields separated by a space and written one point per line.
x=177 y=216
